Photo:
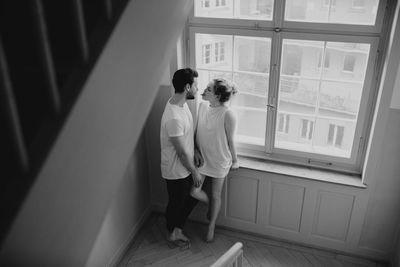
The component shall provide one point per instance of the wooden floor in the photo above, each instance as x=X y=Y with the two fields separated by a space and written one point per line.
x=151 y=249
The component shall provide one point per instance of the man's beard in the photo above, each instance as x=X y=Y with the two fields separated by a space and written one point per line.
x=190 y=96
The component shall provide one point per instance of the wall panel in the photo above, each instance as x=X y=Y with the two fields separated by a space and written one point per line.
x=286 y=204
x=332 y=215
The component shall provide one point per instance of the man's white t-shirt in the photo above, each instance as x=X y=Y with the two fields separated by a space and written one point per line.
x=176 y=121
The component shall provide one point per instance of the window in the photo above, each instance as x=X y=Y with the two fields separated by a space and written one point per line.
x=335 y=135
x=234 y=9
x=349 y=63
x=358 y=4
x=219 y=52
x=304 y=80
x=307 y=129
x=283 y=123
x=220 y=3
x=205 y=3
x=206 y=53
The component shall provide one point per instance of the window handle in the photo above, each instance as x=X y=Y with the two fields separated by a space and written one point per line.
x=271 y=106
x=271 y=103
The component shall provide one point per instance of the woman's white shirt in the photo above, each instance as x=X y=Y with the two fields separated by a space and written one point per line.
x=212 y=141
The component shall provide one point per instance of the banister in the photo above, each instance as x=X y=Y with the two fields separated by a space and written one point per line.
x=233 y=257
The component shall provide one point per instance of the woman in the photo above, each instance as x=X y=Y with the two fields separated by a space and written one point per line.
x=215 y=140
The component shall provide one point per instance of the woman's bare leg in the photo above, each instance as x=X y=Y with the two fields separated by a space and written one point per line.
x=198 y=193
x=216 y=189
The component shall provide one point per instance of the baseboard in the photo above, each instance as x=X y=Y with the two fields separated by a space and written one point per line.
x=118 y=256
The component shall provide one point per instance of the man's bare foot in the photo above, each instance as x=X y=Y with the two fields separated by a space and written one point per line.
x=177 y=234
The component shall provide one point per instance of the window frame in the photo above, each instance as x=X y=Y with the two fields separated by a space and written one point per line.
x=360 y=132
x=338 y=27
x=300 y=30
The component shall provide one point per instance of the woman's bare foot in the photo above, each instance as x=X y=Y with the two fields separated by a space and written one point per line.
x=210 y=234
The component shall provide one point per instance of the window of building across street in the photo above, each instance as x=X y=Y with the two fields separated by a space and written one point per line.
x=306 y=72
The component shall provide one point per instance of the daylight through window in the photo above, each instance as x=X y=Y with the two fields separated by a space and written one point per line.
x=304 y=70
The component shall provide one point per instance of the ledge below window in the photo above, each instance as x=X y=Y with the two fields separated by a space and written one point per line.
x=302 y=172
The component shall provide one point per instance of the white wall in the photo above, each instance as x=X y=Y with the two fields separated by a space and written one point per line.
x=128 y=211
x=395 y=102
x=395 y=261
x=70 y=201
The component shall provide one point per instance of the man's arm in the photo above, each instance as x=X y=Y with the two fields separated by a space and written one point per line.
x=187 y=161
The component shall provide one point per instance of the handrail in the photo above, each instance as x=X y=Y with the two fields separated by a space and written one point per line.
x=39 y=85
x=233 y=257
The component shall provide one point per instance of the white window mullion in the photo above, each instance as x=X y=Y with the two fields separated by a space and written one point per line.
x=273 y=92
x=279 y=9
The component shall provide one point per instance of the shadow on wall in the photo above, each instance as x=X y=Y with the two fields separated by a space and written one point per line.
x=152 y=136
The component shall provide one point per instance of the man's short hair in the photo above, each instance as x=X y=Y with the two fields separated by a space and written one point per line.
x=183 y=77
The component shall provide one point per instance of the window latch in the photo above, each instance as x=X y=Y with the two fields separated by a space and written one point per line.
x=271 y=106
x=277 y=29
x=310 y=161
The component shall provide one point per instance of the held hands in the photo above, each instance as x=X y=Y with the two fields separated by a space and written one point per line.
x=198 y=162
x=235 y=166
x=196 y=179
x=198 y=158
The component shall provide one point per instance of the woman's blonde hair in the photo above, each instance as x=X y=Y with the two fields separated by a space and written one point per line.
x=223 y=89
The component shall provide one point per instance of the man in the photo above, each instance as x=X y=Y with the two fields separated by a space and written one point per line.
x=177 y=154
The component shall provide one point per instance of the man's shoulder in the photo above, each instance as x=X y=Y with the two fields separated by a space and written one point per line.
x=172 y=114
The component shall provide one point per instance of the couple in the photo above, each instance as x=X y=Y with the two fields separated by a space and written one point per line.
x=188 y=155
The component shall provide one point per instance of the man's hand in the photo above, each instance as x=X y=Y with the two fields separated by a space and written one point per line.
x=196 y=179
x=235 y=166
x=198 y=158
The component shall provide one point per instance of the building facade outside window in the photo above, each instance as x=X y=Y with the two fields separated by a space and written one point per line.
x=274 y=51
x=205 y=3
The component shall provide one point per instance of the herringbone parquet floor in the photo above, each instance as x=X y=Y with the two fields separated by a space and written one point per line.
x=151 y=249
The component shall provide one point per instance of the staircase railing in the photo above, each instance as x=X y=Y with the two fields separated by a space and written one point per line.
x=233 y=257
x=47 y=50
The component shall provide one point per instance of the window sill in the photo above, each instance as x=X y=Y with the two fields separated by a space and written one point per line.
x=302 y=172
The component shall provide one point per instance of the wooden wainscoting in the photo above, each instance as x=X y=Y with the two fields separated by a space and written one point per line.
x=299 y=210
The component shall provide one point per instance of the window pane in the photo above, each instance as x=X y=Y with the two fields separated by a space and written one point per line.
x=323 y=102
x=332 y=11
x=214 y=51
x=247 y=65
x=253 y=9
